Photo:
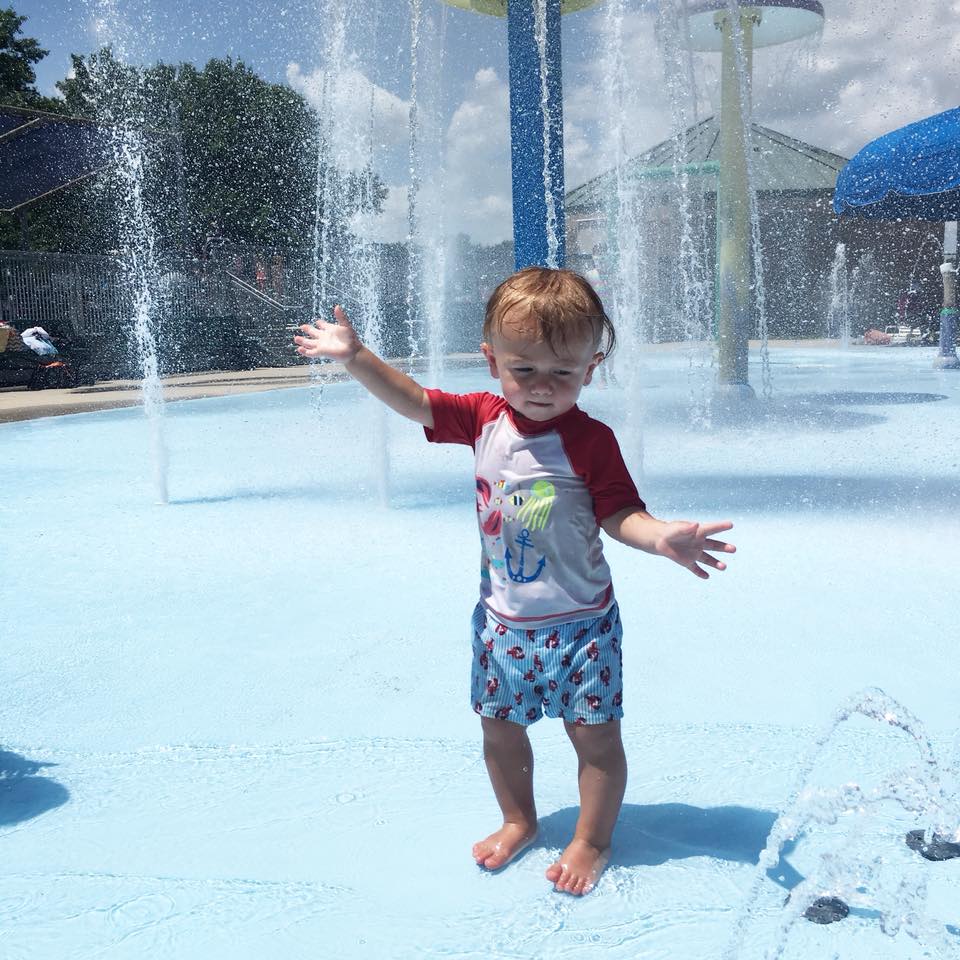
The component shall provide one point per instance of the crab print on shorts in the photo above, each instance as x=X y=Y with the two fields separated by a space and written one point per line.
x=557 y=671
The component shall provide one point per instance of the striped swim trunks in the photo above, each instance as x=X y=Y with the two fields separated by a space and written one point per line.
x=571 y=670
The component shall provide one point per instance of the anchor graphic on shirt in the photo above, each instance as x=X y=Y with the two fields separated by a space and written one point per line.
x=517 y=576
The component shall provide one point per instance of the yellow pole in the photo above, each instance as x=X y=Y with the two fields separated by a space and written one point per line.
x=735 y=312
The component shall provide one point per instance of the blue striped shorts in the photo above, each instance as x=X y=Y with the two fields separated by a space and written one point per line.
x=571 y=670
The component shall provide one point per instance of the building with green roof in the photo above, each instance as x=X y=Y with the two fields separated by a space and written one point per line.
x=674 y=184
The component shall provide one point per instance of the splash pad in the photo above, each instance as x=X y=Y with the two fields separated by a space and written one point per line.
x=198 y=776
x=237 y=726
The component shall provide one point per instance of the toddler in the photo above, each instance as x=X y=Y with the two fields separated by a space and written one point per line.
x=547 y=636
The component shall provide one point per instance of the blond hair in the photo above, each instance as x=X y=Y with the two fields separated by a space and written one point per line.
x=561 y=305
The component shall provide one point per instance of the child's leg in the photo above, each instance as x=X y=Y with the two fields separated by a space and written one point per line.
x=602 y=778
x=509 y=758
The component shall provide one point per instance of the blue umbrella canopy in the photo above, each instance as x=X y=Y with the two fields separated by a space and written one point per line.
x=908 y=174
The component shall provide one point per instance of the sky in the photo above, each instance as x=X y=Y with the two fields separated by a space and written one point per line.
x=876 y=65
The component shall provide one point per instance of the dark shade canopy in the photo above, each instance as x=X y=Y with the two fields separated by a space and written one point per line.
x=41 y=153
x=909 y=174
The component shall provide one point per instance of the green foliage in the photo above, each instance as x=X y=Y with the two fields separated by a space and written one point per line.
x=225 y=153
x=18 y=54
x=249 y=155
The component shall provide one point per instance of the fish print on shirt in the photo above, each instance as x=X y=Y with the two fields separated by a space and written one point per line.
x=513 y=554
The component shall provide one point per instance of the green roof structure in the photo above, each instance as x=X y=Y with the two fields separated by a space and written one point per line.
x=780 y=163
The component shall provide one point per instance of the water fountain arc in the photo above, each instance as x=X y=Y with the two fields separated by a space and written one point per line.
x=839 y=306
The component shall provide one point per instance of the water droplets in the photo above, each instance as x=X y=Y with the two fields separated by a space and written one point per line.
x=865 y=861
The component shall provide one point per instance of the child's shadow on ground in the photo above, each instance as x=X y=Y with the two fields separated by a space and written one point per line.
x=24 y=795
x=648 y=835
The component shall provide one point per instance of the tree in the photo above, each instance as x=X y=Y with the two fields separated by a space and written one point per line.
x=18 y=55
x=226 y=151
x=248 y=154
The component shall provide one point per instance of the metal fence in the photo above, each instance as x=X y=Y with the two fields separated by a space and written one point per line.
x=206 y=318
x=74 y=295
x=233 y=309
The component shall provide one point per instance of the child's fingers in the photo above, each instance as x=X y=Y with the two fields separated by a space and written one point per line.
x=720 y=545
x=709 y=529
x=316 y=331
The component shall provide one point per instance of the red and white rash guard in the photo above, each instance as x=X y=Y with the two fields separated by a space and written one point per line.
x=542 y=490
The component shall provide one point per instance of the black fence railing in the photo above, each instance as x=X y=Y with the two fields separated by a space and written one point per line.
x=206 y=316
x=234 y=308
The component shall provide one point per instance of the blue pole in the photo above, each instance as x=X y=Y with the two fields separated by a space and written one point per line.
x=538 y=220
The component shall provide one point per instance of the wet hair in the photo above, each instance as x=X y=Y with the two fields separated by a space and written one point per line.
x=561 y=305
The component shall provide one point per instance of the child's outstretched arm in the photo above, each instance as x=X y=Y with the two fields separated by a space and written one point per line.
x=339 y=341
x=688 y=543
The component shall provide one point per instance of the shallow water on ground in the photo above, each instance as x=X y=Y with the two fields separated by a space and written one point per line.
x=238 y=725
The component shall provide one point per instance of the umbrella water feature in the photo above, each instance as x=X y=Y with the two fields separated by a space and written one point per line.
x=908 y=174
x=735 y=29
x=912 y=173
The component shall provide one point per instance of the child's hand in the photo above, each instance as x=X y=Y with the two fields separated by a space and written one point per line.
x=691 y=544
x=335 y=341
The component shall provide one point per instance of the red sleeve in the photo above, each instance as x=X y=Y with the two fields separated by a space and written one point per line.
x=595 y=456
x=459 y=417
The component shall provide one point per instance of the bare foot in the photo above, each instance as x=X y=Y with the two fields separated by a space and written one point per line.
x=578 y=868
x=503 y=845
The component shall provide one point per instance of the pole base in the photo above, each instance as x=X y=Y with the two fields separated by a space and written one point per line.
x=732 y=393
x=946 y=362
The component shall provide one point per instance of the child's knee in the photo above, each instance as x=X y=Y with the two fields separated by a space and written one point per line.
x=502 y=731
x=597 y=741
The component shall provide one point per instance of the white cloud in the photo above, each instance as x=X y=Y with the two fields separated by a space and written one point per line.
x=867 y=75
x=593 y=125
x=477 y=187
x=364 y=110
x=876 y=65
x=869 y=71
x=391 y=224
x=361 y=107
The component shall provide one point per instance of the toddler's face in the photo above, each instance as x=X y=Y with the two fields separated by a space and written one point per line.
x=536 y=381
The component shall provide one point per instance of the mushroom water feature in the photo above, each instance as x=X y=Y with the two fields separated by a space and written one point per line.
x=735 y=29
x=536 y=123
